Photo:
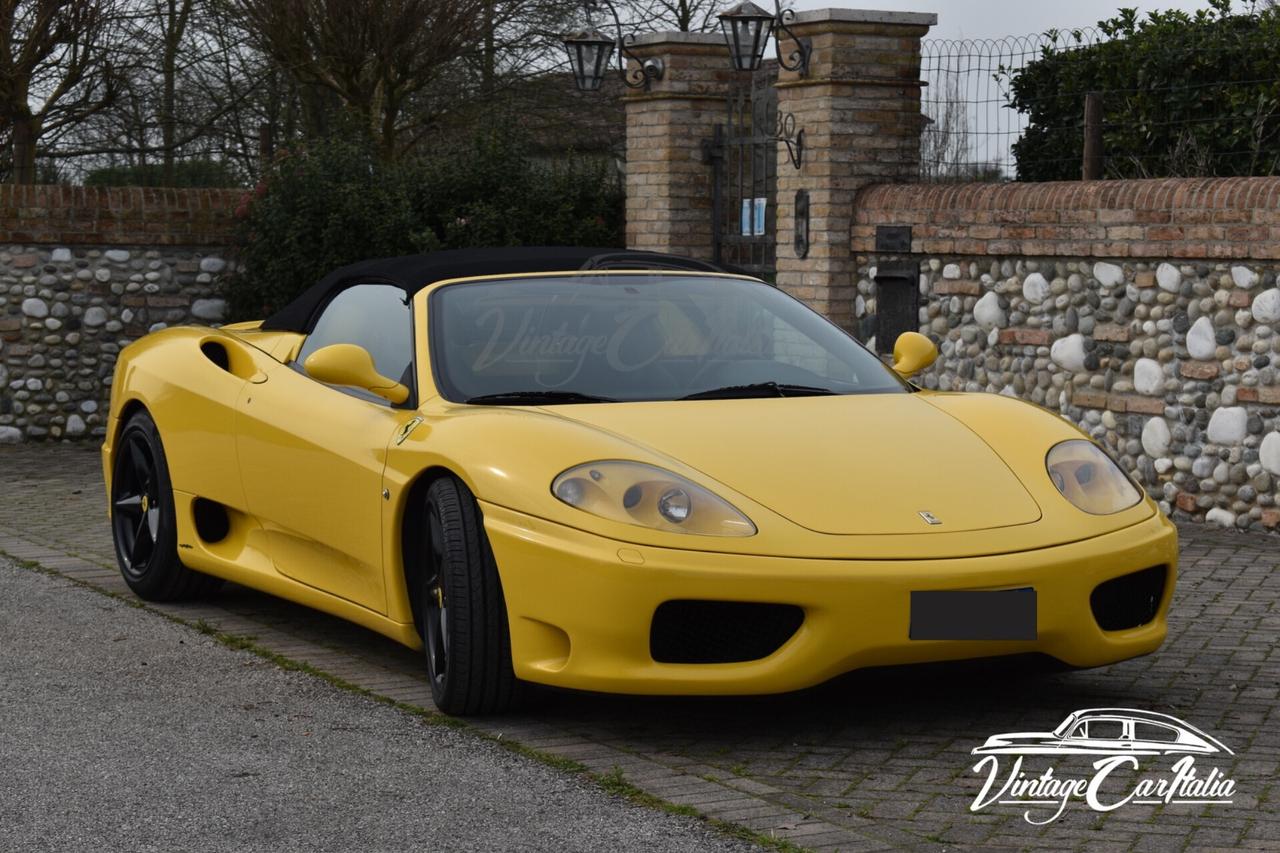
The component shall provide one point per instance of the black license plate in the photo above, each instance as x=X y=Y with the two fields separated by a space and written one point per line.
x=1005 y=614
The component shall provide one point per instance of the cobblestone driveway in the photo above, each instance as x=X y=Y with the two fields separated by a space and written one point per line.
x=878 y=760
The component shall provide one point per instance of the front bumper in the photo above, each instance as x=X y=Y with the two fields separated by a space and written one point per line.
x=580 y=606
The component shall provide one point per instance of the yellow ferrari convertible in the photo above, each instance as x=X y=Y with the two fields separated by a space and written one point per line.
x=622 y=472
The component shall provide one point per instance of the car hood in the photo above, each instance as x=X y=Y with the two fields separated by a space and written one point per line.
x=855 y=464
x=1022 y=738
x=1013 y=741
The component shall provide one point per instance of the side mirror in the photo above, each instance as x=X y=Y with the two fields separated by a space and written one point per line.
x=912 y=353
x=348 y=364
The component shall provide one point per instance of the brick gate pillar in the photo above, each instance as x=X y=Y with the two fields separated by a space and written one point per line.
x=668 y=184
x=859 y=107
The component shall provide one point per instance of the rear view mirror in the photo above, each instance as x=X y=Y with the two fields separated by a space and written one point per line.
x=912 y=353
x=348 y=364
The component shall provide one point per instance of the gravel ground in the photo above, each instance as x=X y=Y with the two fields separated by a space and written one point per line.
x=122 y=730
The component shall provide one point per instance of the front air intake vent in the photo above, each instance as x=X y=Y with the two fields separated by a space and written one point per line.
x=211 y=520
x=229 y=356
x=720 y=631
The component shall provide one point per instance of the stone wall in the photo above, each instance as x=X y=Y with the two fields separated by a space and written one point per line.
x=85 y=272
x=1144 y=311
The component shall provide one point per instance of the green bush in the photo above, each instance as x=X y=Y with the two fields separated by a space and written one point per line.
x=316 y=210
x=186 y=173
x=491 y=194
x=1183 y=95
x=336 y=202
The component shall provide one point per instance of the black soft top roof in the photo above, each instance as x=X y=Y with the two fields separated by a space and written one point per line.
x=414 y=272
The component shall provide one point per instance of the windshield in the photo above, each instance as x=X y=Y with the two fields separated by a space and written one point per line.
x=1061 y=730
x=629 y=337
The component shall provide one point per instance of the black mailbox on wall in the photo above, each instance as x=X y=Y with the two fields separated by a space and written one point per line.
x=897 y=301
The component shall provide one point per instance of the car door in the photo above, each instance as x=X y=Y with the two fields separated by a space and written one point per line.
x=312 y=455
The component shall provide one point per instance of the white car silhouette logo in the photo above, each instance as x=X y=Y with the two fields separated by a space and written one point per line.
x=1108 y=731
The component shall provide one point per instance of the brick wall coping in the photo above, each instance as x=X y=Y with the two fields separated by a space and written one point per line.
x=64 y=215
x=1154 y=194
x=866 y=16
x=1200 y=218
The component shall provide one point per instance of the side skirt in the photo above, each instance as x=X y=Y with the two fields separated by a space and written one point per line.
x=241 y=557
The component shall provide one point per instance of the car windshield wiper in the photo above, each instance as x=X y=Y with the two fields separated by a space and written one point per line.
x=759 y=389
x=535 y=398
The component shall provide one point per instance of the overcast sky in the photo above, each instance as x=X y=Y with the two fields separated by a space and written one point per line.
x=995 y=18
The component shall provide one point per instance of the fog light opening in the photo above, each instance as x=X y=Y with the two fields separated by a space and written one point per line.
x=1129 y=601
x=701 y=632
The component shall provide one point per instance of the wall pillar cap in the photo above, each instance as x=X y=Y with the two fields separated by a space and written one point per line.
x=649 y=40
x=865 y=16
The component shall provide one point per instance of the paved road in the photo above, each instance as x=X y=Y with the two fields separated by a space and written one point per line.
x=124 y=731
x=875 y=761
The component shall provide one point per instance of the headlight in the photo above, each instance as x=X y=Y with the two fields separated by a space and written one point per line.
x=635 y=493
x=1089 y=479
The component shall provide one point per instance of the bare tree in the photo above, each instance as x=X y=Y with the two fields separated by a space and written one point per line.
x=189 y=87
x=654 y=16
x=55 y=70
x=163 y=84
x=946 y=144
x=372 y=58
x=521 y=39
x=688 y=16
x=236 y=91
x=172 y=17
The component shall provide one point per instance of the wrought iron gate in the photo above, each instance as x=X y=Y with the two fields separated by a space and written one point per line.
x=743 y=155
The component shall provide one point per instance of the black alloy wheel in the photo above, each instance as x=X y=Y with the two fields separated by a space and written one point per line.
x=143 y=520
x=136 y=506
x=464 y=614
x=435 y=609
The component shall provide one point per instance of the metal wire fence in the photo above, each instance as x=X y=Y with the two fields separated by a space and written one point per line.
x=970 y=124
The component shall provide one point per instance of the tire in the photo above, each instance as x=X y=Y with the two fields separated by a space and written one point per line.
x=143 y=520
x=464 y=615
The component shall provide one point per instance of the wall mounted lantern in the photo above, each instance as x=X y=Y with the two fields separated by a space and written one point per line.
x=590 y=50
x=747 y=29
